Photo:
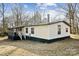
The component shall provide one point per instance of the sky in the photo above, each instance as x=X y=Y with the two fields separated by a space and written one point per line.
x=46 y=8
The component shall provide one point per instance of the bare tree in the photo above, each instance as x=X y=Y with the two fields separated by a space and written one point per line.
x=2 y=13
x=77 y=18
x=36 y=18
x=71 y=14
x=17 y=11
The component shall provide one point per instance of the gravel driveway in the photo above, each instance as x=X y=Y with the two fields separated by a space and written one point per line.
x=67 y=47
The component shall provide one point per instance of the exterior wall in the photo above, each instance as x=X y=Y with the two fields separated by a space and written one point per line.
x=53 y=30
x=39 y=32
x=48 y=32
x=24 y=31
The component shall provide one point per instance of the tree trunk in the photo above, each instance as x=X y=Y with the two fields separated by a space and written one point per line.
x=3 y=17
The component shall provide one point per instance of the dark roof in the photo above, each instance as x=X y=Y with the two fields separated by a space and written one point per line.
x=50 y=23
x=17 y=27
x=40 y=24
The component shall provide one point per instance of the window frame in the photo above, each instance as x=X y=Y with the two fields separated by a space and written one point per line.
x=32 y=30
x=26 y=30
x=66 y=29
x=59 y=29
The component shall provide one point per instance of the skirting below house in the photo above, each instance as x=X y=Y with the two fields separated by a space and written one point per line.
x=16 y=37
x=44 y=40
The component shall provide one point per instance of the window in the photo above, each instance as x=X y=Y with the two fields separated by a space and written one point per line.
x=66 y=29
x=26 y=30
x=59 y=29
x=32 y=30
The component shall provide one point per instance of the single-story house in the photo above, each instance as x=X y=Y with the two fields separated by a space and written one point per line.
x=44 y=32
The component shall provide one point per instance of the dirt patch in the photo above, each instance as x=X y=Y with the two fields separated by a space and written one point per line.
x=13 y=51
x=67 y=47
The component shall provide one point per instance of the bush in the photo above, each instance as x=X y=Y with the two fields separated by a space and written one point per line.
x=3 y=34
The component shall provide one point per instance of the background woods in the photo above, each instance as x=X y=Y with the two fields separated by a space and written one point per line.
x=17 y=14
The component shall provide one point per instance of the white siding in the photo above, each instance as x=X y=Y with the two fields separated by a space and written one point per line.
x=39 y=32
x=54 y=30
x=48 y=31
x=24 y=31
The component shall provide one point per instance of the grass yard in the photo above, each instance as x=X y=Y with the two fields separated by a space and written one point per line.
x=67 y=47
